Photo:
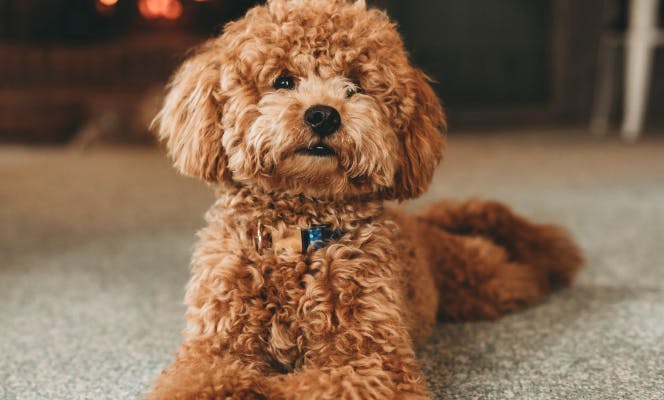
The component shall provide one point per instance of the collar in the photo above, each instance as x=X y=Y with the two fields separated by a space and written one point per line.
x=301 y=240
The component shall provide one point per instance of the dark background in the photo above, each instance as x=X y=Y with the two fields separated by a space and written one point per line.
x=70 y=67
x=534 y=60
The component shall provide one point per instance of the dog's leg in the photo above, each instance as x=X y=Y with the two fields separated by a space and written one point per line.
x=488 y=261
x=202 y=371
x=358 y=346
x=358 y=378
x=547 y=248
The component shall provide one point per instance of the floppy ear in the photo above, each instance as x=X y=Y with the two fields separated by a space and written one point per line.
x=190 y=119
x=423 y=138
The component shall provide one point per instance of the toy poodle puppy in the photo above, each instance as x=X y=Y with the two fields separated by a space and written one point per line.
x=306 y=116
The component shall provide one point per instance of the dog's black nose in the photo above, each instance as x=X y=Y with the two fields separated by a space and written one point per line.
x=323 y=120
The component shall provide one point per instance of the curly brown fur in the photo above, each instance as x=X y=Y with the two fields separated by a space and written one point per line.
x=339 y=322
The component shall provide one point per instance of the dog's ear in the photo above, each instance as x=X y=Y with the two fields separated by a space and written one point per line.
x=190 y=119
x=423 y=137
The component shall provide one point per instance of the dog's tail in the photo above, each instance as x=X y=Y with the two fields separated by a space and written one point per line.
x=499 y=260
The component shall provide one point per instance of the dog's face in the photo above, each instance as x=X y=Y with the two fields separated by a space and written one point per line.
x=313 y=97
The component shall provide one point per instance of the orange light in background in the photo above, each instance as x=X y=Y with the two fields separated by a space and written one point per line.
x=151 y=9
x=106 y=6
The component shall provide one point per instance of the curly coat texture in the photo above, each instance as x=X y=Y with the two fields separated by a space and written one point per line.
x=342 y=321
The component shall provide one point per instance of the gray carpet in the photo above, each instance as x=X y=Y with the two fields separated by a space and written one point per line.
x=94 y=250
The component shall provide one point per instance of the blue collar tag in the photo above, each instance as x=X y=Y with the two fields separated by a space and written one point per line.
x=313 y=238
x=317 y=236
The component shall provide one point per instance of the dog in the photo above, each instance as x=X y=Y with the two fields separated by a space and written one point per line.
x=307 y=117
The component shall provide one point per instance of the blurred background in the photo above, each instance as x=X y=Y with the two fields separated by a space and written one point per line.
x=555 y=107
x=75 y=70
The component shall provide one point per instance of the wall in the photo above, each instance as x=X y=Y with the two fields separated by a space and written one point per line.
x=516 y=54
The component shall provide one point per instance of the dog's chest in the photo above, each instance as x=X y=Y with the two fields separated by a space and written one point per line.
x=274 y=308
x=297 y=303
x=281 y=306
x=285 y=298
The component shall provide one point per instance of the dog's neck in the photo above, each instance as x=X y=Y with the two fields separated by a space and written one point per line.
x=251 y=204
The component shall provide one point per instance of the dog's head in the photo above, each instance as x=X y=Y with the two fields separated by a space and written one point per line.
x=313 y=97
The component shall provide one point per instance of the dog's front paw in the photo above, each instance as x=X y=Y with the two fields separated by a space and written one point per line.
x=188 y=380
x=207 y=393
x=247 y=394
x=240 y=387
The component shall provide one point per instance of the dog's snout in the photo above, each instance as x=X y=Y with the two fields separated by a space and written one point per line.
x=323 y=120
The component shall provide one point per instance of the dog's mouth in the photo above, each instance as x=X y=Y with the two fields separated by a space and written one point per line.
x=317 y=150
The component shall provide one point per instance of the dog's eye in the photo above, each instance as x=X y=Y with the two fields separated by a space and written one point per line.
x=353 y=90
x=284 y=82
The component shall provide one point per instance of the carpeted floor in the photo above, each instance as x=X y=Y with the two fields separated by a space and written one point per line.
x=94 y=250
